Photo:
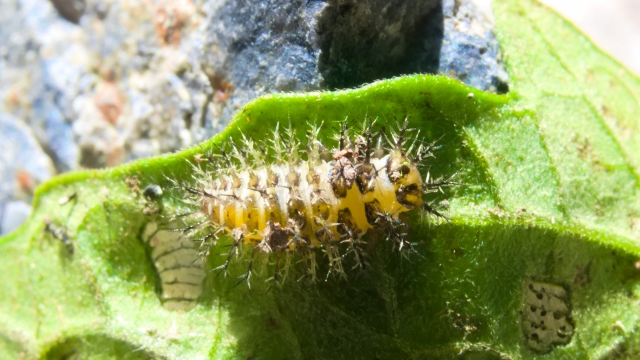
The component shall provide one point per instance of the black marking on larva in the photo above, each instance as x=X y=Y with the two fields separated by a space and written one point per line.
x=372 y=211
x=343 y=172
x=297 y=204
x=348 y=232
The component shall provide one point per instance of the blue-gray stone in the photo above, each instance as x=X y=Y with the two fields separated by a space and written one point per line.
x=229 y=52
x=172 y=92
x=50 y=92
x=23 y=165
x=283 y=46
x=12 y=215
x=470 y=51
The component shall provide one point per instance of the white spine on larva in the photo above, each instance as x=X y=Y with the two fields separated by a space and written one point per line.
x=179 y=267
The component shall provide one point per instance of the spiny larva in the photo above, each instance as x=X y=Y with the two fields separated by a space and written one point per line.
x=282 y=197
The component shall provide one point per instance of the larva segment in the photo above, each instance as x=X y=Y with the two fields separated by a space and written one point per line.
x=179 y=267
x=321 y=200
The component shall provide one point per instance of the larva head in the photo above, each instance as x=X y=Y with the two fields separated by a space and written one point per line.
x=404 y=174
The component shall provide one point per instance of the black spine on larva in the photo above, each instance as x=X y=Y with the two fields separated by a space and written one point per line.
x=365 y=171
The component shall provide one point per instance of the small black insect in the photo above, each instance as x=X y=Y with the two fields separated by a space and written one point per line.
x=153 y=196
x=59 y=233
x=152 y=192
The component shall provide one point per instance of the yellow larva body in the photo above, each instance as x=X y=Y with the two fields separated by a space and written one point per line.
x=312 y=202
x=322 y=199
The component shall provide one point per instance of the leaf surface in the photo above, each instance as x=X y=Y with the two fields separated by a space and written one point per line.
x=550 y=196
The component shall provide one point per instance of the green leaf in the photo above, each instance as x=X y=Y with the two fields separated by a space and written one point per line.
x=550 y=200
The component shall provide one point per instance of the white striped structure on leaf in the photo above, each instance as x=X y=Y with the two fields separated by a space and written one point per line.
x=179 y=267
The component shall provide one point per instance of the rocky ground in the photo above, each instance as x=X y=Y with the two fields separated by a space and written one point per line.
x=92 y=84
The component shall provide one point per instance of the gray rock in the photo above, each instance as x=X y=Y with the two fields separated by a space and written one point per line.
x=363 y=41
x=12 y=215
x=119 y=80
x=470 y=51
x=252 y=49
x=36 y=85
x=136 y=79
x=23 y=165
x=70 y=10
x=282 y=46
